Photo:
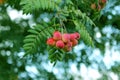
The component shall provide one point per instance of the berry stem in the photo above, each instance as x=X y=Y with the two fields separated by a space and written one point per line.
x=63 y=25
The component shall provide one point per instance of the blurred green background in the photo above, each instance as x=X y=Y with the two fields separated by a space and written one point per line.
x=84 y=63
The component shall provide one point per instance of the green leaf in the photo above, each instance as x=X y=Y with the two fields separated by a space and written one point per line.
x=30 y=6
x=83 y=33
x=29 y=36
x=55 y=54
x=36 y=36
x=33 y=31
x=84 y=17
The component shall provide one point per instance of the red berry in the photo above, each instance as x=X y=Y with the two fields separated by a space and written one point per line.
x=78 y=35
x=57 y=35
x=66 y=37
x=74 y=42
x=68 y=46
x=103 y=1
x=72 y=36
x=51 y=41
x=60 y=44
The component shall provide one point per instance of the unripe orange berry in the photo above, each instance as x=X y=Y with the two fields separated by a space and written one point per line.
x=93 y=6
x=57 y=35
x=51 y=41
x=66 y=37
x=2 y=1
x=60 y=44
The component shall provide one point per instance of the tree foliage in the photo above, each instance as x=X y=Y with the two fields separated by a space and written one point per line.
x=23 y=45
x=61 y=14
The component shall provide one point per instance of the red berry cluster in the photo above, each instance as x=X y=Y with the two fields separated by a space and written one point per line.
x=63 y=41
